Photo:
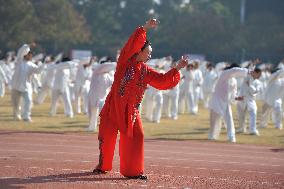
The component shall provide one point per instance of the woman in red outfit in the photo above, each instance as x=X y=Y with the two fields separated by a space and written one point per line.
x=120 y=112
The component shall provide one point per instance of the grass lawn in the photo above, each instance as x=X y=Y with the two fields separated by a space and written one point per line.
x=187 y=127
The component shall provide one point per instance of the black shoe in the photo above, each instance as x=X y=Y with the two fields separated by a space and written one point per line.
x=99 y=171
x=142 y=177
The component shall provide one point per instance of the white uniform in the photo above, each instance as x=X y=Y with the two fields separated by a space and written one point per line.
x=3 y=81
x=21 y=84
x=47 y=83
x=186 y=96
x=273 y=99
x=220 y=104
x=61 y=88
x=82 y=87
x=197 y=94
x=210 y=78
x=154 y=104
x=170 y=104
x=101 y=82
x=249 y=89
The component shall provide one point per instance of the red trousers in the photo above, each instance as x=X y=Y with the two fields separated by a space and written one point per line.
x=131 y=149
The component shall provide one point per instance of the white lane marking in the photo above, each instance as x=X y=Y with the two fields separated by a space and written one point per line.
x=235 y=170
x=68 y=160
x=8 y=177
x=170 y=166
x=85 y=170
x=143 y=185
x=207 y=149
x=33 y=167
x=51 y=169
x=167 y=166
x=66 y=169
x=9 y=166
x=180 y=176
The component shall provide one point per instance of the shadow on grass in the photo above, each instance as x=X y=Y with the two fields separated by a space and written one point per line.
x=183 y=133
x=12 y=183
x=65 y=126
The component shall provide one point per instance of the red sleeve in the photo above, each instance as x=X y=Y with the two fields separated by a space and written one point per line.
x=163 y=81
x=132 y=46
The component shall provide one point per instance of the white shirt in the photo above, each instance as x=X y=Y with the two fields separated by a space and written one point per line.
x=210 y=78
x=21 y=79
x=275 y=88
x=221 y=96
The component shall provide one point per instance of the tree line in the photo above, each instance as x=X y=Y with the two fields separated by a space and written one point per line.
x=209 y=27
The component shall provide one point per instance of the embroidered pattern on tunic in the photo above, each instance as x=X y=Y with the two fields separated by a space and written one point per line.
x=141 y=86
x=129 y=73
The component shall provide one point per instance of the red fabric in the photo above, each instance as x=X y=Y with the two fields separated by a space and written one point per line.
x=131 y=149
x=120 y=111
x=130 y=81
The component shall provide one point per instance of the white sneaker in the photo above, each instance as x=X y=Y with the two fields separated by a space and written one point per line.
x=18 y=118
x=241 y=130
x=256 y=133
x=27 y=120
x=233 y=140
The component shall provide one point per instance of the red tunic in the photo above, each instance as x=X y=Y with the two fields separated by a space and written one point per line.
x=130 y=82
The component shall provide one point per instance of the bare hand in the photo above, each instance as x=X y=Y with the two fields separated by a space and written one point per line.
x=183 y=62
x=152 y=23
x=239 y=98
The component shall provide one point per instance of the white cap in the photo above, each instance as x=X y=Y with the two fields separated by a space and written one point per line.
x=23 y=51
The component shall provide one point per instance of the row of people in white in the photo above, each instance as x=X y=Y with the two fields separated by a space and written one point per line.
x=56 y=77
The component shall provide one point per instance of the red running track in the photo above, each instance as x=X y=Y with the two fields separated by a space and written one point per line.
x=50 y=160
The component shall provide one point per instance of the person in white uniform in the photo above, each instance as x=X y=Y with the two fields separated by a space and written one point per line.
x=273 y=100
x=82 y=86
x=186 y=96
x=220 y=103
x=21 y=83
x=197 y=87
x=170 y=100
x=47 y=80
x=61 y=87
x=249 y=89
x=3 y=81
x=101 y=82
x=210 y=78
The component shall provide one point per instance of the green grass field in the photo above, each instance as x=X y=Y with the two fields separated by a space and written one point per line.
x=187 y=127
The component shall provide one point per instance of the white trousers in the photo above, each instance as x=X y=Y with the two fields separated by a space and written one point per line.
x=16 y=102
x=242 y=118
x=216 y=124
x=56 y=94
x=42 y=94
x=93 y=116
x=266 y=112
x=81 y=94
x=186 y=99
x=157 y=112
x=2 y=89
x=206 y=98
x=170 y=105
x=153 y=109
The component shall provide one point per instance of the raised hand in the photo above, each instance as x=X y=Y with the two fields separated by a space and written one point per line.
x=183 y=62
x=152 y=23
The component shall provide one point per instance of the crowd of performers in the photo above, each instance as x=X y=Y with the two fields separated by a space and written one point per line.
x=116 y=89
x=83 y=85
